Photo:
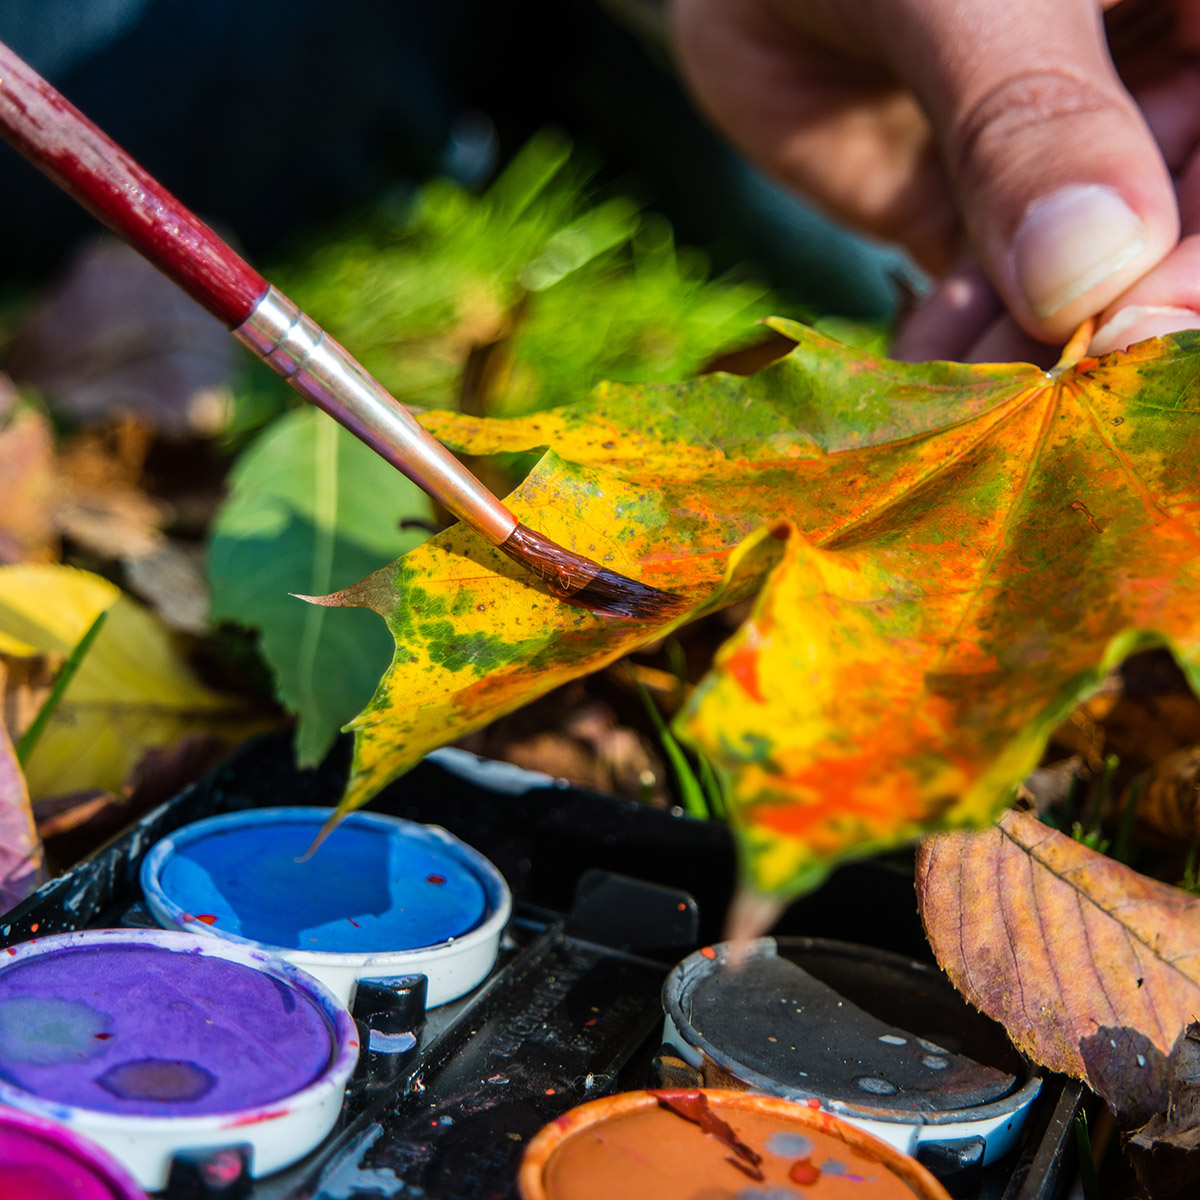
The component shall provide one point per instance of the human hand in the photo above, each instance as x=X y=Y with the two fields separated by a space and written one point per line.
x=995 y=139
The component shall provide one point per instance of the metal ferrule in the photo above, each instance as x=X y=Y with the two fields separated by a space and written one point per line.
x=293 y=345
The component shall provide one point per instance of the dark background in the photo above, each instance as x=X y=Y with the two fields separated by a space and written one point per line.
x=275 y=116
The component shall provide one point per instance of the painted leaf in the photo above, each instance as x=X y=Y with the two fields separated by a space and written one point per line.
x=21 y=867
x=952 y=556
x=310 y=507
x=1093 y=969
x=133 y=689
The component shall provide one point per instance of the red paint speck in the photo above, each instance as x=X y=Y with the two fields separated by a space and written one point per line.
x=10 y=949
x=34 y=927
x=804 y=1172
x=354 y=922
x=438 y=879
x=550 y=1091
x=708 y=952
x=102 y=1037
x=813 y=1102
x=681 y=907
x=255 y=1118
x=207 y=918
x=590 y=1023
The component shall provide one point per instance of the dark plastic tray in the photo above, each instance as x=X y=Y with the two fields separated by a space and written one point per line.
x=608 y=896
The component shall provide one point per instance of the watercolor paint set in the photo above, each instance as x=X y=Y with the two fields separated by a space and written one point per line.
x=474 y=984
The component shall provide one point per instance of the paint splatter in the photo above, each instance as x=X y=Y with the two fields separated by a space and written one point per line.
x=708 y=952
x=874 y=1086
x=207 y=918
x=160 y=1079
x=784 y=1144
x=804 y=1172
x=43 y=1031
x=436 y=879
x=833 y=1166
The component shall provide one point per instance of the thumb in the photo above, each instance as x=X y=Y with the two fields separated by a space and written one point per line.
x=1064 y=192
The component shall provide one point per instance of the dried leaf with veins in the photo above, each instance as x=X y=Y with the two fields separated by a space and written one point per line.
x=948 y=558
x=1093 y=969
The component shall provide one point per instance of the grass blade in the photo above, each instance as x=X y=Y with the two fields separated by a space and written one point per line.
x=31 y=736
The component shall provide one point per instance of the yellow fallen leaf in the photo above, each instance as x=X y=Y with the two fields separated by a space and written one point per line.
x=133 y=689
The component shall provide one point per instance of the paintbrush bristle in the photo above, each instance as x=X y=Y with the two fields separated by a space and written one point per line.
x=578 y=580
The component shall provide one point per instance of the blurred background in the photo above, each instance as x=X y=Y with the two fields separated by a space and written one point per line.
x=269 y=115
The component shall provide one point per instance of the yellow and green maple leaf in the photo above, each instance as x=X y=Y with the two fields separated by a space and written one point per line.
x=946 y=559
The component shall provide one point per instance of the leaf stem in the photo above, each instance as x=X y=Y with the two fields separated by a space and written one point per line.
x=1076 y=348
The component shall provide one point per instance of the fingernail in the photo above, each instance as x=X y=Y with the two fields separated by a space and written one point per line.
x=1071 y=241
x=1139 y=322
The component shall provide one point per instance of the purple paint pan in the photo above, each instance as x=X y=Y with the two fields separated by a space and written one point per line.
x=150 y=1043
x=43 y=1161
x=378 y=897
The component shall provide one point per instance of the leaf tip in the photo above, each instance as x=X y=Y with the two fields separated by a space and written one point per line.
x=330 y=601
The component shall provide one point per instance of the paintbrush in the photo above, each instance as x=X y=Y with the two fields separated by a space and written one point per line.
x=61 y=142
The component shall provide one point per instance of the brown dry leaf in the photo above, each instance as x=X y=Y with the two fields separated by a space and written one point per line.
x=21 y=867
x=28 y=488
x=1144 y=711
x=105 y=508
x=1093 y=969
x=1166 y=1150
x=118 y=337
x=1168 y=797
x=171 y=580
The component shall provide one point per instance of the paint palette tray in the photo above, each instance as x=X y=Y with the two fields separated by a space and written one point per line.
x=608 y=897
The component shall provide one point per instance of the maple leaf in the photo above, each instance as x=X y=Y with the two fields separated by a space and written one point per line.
x=948 y=557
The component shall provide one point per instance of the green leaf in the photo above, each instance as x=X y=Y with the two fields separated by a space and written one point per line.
x=310 y=508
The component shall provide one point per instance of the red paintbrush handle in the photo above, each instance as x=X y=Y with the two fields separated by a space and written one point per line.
x=59 y=140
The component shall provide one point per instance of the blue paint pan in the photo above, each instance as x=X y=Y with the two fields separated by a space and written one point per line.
x=379 y=897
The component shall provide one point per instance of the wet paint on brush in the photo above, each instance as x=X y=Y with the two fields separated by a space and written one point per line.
x=39 y=1161
x=139 y=1030
x=370 y=887
x=778 y=1021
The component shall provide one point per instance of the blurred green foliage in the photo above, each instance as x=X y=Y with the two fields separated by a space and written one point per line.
x=572 y=291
